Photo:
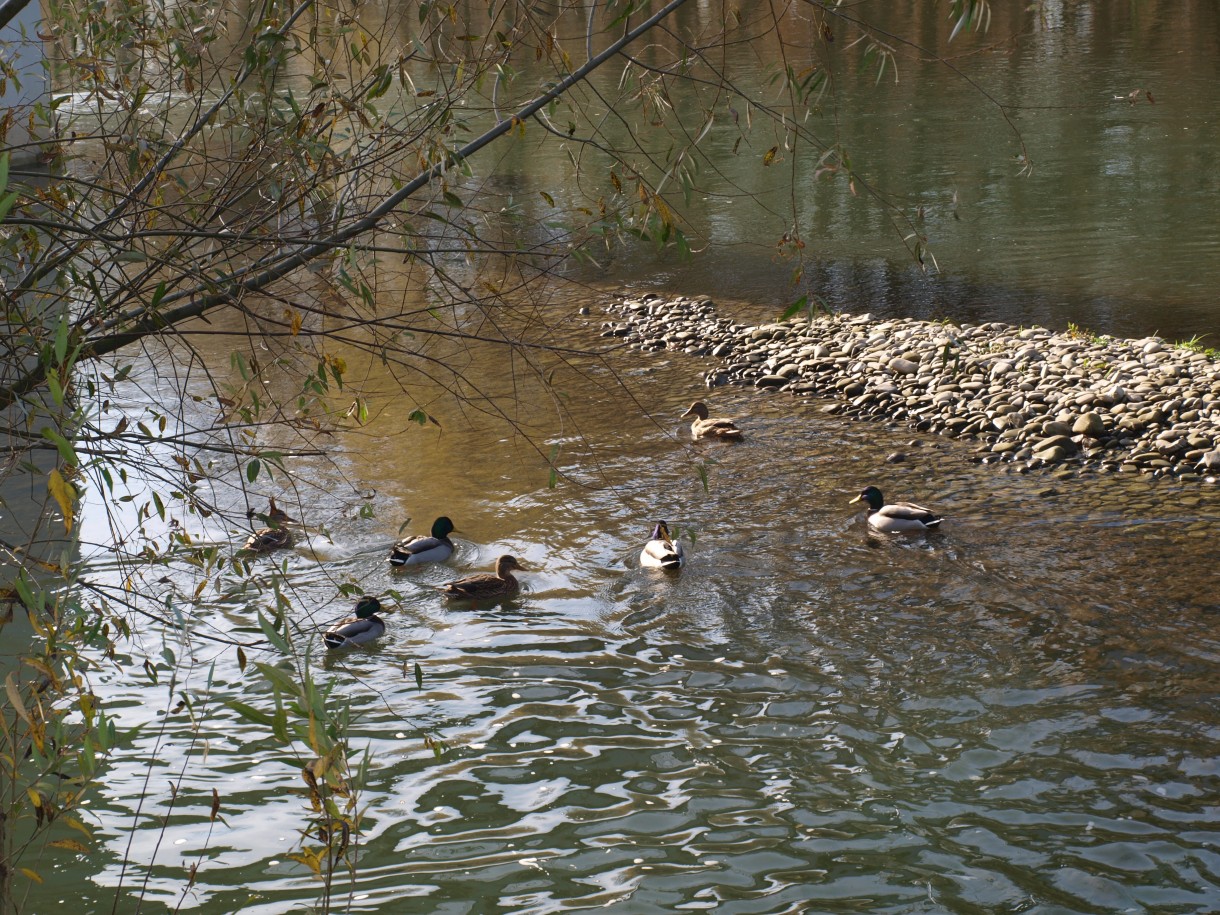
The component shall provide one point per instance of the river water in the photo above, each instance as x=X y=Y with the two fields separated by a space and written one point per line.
x=1015 y=715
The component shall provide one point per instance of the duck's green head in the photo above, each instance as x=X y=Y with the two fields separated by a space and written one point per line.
x=661 y=532
x=442 y=527
x=871 y=495
x=367 y=606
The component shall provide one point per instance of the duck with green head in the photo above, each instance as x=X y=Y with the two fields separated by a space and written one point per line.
x=896 y=517
x=487 y=587
x=273 y=537
x=365 y=626
x=411 y=551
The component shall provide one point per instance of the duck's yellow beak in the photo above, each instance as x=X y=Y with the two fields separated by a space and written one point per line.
x=856 y=499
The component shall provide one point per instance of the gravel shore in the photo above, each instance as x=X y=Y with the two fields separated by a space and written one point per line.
x=1027 y=395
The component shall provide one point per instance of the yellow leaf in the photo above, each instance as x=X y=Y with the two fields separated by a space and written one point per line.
x=14 y=696
x=71 y=845
x=64 y=494
x=308 y=858
x=77 y=825
x=31 y=874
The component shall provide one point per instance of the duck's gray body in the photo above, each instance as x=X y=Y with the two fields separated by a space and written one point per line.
x=364 y=627
x=436 y=547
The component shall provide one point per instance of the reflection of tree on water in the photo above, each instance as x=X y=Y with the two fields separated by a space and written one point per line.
x=34 y=531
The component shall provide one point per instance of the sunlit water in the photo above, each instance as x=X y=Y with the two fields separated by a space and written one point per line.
x=1017 y=714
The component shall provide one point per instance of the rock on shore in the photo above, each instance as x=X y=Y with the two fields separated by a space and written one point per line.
x=1027 y=395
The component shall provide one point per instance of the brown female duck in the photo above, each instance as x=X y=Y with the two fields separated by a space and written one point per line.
x=702 y=427
x=484 y=586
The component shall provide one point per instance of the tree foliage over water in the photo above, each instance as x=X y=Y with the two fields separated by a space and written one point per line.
x=241 y=200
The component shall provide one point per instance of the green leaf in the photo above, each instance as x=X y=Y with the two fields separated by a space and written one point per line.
x=252 y=470
x=66 y=451
x=419 y=676
x=279 y=677
x=250 y=713
x=57 y=390
x=6 y=204
x=277 y=640
x=798 y=305
x=61 y=338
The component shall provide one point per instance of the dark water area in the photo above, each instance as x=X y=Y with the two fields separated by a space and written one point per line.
x=1111 y=222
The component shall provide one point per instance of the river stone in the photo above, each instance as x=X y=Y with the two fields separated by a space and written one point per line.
x=1053 y=455
x=1130 y=404
x=1090 y=424
x=1056 y=441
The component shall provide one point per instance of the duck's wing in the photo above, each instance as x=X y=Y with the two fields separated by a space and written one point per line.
x=354 y=631
x=909 y=511
x=268 y=538
x=719 y=428
x=420 y=549
x=475 y=586
x=661 y=554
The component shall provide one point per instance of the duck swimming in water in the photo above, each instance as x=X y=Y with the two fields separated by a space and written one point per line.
x=703 y=427
x=412 y=551
x=661 y=552
x=896 y=517
x=365 y=626
x=273 y=537
x=484 y=586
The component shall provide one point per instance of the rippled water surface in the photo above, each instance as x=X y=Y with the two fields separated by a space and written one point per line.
x=1018 y=714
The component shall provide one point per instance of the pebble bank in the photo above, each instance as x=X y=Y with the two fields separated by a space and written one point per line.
x=1026 y=395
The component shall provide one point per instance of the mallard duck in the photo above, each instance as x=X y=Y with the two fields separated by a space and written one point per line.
x=411 y=551
x=661 y=552
x=897 y=517
x=273 y=537
x=479 y=587
x=702 y=427
x=365 y=626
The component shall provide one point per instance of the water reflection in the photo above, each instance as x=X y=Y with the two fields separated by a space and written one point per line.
x=1017 y=712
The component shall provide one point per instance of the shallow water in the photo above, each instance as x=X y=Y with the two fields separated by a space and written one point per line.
x=1017 y=714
